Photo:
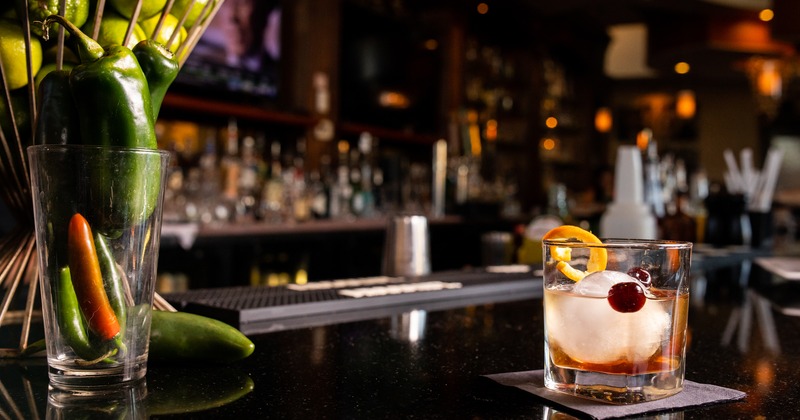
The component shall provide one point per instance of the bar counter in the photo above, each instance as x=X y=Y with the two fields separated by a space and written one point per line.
x=429 y=363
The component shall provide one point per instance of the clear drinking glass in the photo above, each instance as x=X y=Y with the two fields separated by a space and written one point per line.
x=97 y=213
x=617 y=335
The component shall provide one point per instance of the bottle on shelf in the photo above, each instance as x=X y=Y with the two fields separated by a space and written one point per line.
x=677 y=224
x=249 y=183
x=298 y=194
x=319 y=189
x=342 y=190
x=230 y=166
x=271 y=207
x=203 y=186
x=653 y=189
x=366 y=189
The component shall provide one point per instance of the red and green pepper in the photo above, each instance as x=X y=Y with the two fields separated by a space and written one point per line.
x=88 y=321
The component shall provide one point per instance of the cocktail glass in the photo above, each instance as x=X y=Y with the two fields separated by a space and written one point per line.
x=618 y=334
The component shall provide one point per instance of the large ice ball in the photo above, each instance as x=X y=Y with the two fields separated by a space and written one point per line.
x=588 y=330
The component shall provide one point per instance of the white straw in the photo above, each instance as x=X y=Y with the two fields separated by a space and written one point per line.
x=736 y=182
x=728 y=182
x=749 y=181
x=769 y=177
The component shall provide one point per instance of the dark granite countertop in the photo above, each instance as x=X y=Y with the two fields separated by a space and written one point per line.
x=428 y=365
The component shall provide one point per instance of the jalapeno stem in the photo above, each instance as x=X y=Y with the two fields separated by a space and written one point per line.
x=88 y=49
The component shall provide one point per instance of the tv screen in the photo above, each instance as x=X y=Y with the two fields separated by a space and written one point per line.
x=385 y=57
x=239 y=52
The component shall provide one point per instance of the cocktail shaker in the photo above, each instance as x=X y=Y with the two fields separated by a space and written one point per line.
x=407 y=247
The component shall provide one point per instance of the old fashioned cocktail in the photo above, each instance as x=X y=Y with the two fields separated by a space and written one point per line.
x=615 y=316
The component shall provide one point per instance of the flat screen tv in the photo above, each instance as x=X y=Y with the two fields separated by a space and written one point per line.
x=381 y=55
x=239 y=53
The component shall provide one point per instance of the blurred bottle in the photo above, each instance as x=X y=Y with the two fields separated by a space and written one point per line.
x=230 y=166
x=249 y=184
x=698 y=192
x=361 y=177
x=271 y=207
x=204 y=186
x=342 y=190
x=653 y=189
x=557 y=204
x=355 y=177
x=677 y=224
x=299 y=198
x=319 y=189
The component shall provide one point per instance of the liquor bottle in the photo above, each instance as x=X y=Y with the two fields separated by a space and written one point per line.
x=301 y=210
x=357 y=197
x=319 y=189
x=677 y=224
x=366 y=192
x=230 y=167
x=557 y=203
x=204 y=196
x=342 y=191
x=653 y=188
x=248 y=182
x=272 y=197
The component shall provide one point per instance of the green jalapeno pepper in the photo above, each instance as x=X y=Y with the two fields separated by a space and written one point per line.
x=160 y=69
x=112 y=281
x=57 y=121
x=114 y=110
x=71 y=323
x=181 y=336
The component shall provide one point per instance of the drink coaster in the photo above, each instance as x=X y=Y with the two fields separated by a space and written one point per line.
x=693 y=395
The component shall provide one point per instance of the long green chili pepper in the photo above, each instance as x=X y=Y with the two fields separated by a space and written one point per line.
x=112 y=99
x=88 y=280
x=70 y=320
x=160 y=68
x=112 y=281
x=57 y=121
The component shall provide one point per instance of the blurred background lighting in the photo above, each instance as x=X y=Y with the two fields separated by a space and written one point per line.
x=603 y=120
x=685 y=104
x=682 y=67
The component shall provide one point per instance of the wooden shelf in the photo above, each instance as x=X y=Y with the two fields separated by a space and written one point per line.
x=387 y=134
x=177 y=102
x=187 y=103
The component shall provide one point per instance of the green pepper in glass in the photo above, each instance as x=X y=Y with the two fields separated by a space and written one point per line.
x=112 y=99
x=112 y=281
x=110 y=91
x=57 y=121
x=160 y=69
x=71 y=323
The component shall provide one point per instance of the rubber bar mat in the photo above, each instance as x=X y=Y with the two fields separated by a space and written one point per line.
x=259 y=309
